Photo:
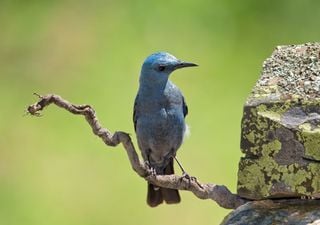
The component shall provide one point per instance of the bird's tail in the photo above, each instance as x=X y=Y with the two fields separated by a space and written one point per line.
x=156 y=195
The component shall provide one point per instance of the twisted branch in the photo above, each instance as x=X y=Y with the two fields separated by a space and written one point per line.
x=218 y=193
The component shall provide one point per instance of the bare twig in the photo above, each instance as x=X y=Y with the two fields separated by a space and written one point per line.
x=218 y=193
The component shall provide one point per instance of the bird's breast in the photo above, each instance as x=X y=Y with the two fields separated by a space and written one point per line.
x=162 y=124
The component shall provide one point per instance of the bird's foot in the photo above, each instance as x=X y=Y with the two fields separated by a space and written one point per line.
x=151 y=170
x=185 y=175
x=190 y=179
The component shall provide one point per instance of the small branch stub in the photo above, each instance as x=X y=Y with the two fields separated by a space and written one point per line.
x=218 y=193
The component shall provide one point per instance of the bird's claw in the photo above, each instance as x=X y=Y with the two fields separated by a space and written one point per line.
x=190 y=179
x=151 y=170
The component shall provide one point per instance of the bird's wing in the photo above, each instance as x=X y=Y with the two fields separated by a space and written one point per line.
x=184 y=107
x=135 y=113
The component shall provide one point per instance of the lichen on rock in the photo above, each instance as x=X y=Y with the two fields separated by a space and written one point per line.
x=280 y=135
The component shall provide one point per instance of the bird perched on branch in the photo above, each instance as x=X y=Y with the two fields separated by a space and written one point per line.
x=159 y=113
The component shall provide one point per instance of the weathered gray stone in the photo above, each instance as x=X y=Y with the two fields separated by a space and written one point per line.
x=281 y=127
x=267 y=212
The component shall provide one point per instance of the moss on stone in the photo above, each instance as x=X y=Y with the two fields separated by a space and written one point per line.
x=280 y=128
x=311 y=140
x=252 y=178
x=257 y=177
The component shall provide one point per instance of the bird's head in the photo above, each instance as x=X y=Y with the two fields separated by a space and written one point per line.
x=158 y=66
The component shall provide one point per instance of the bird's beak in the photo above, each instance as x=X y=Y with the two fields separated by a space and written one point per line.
x=183 y=64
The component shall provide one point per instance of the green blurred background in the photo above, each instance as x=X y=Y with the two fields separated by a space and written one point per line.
x=53 y=170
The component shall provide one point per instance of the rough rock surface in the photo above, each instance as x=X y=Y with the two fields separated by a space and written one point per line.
x=281 y=127
x=267 y=212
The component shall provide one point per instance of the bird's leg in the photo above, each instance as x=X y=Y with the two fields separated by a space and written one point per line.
x=186 y=175
x=151 y=169
x=181 y=167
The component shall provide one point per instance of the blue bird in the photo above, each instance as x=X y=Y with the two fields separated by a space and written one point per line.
x=159 y=120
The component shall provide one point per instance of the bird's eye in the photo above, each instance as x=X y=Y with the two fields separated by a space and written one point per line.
x=161 y=68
